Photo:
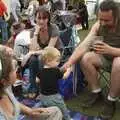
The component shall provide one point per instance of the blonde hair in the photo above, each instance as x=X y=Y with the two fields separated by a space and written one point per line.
x=49 y=54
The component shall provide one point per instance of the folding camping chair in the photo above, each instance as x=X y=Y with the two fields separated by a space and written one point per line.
x=68 y=33
x=66 y=21
x=68 y=41
x=104 y=75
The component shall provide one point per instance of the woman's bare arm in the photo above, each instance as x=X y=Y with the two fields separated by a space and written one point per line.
x=53 y=41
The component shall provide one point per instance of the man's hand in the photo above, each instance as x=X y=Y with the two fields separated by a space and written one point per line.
x=65 y=66
x=38 y=111
x=67 y=73
x=102 y=48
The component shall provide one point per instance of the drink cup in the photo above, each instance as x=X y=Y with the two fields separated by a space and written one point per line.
x=96 y=40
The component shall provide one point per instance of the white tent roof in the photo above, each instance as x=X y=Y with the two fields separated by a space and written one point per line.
x=91 y=6
x=99 y=0
x=117 y=0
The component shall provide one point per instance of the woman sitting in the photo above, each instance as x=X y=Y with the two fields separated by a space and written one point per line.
x=10 y=108
x=45 y=34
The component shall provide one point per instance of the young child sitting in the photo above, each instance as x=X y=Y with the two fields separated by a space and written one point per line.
x=49 y=76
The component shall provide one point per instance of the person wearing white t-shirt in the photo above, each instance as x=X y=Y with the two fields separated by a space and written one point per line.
x=22 y=43
x=22 y=40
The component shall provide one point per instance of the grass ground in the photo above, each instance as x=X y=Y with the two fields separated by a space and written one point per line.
x=75 y=102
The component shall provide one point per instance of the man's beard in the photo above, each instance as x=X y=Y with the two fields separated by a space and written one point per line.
x=108 y=27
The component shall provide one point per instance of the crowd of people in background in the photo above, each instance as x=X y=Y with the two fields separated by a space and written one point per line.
x=30 y=31
x=34 y=41
x=26 y=9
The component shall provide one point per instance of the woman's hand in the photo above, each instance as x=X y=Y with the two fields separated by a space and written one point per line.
x=37 y=29
x=38 y=111
x=102 y=48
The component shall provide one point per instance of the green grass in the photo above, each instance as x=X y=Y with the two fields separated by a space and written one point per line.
x=75 y=105
x=83 y=33
x=75 y=102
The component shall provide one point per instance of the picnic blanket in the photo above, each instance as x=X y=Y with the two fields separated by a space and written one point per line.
x=76 y=115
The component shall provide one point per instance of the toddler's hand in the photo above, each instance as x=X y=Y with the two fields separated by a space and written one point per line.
x=67 y=72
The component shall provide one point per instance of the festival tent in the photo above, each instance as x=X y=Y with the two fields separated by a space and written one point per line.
x=92 y=5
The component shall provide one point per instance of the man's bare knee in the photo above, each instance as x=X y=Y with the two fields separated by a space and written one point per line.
x=87 y=57
x=90 y=58
x=116 y=64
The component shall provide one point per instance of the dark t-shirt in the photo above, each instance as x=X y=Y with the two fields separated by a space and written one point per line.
x=82 y=8
x=53 y=31
x=49 y=80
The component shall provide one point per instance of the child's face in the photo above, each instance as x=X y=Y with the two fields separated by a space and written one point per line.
x=55 y=62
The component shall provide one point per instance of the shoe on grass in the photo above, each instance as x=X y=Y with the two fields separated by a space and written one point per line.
x=92 y=99
x=108 y=110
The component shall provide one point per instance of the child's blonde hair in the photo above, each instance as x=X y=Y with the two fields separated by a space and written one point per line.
x=49 y=54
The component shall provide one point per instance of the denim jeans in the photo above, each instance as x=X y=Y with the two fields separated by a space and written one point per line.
x=34 y=65
x=55 y=100
x=4 y=30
